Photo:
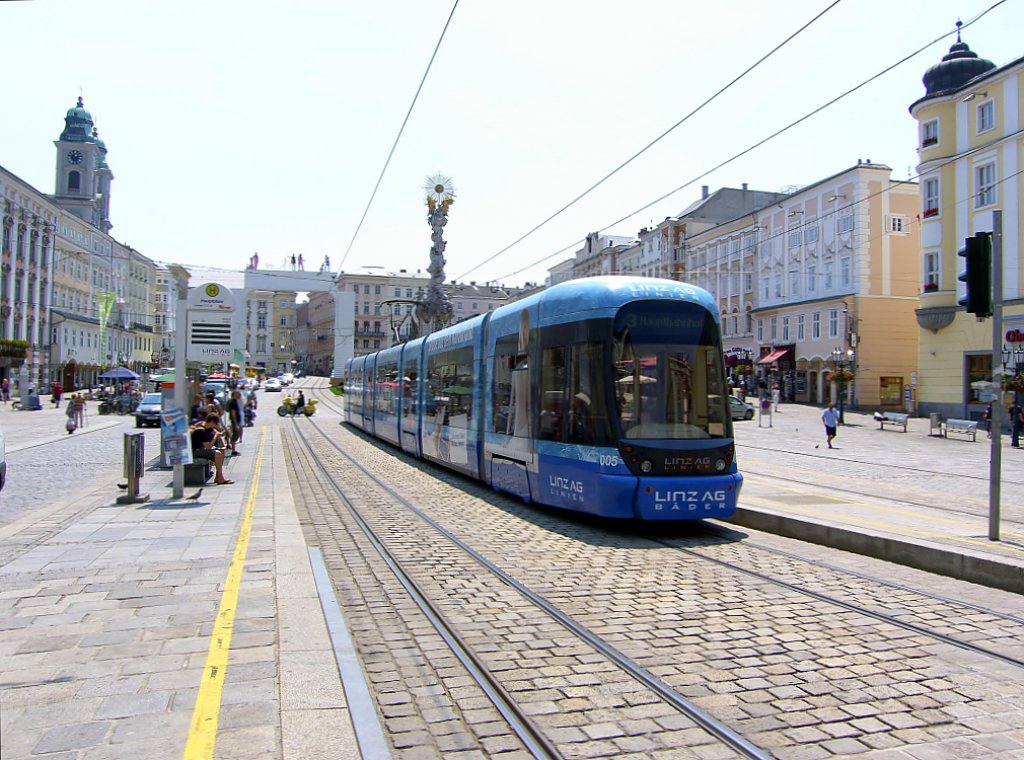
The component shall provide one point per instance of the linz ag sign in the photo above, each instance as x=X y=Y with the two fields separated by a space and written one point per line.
x=210 y=310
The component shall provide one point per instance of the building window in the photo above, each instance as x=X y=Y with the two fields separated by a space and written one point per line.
x=398 y=292
x=816 y=325
x=845 y=223
x=785 y=329
x=829 y=265
x=833 y=323
x=261 y=322
x=811 y=233
x=931 y=270
x=986 y=116
x=930 y=133
x=812 y=276
x=800 y=324
x=773 y=329
x=844 y=272
x=985 y=182
x=930 y=194
x=74 y=182
x=376 y=290
x=794 y=284
x=794 y=238
x=778 y=285
x=978 y=367
x=760 y=331
x=748 y=282
x=366 y=292
x=896 y=223
x=284 y=321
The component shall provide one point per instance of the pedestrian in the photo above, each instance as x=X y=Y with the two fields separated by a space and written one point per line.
x=776 y=397
x=235 y=421
x=293 y=262
x=57 y=390
x=831 y=419
x=5 y=389
x=1016 y=418
x=302 y=267
x=72 y=423
x=255 y=261
x=327 y=263
x=204 y=438
x=79 y=403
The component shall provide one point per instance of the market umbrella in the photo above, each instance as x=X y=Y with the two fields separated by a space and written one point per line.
x=119 y=373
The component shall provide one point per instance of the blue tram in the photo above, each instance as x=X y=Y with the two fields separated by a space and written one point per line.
x=604 y=395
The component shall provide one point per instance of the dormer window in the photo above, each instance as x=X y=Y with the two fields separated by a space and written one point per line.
x=930 y=133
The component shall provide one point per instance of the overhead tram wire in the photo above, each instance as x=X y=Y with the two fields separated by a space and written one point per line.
x=398 y=136
x=761 y=142
x=655 y=141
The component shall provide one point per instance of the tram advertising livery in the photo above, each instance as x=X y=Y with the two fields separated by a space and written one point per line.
x=604 y=395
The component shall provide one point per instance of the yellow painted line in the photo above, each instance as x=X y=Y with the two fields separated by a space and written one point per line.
x=871 y=505
x=203 y=734
x=897 y=529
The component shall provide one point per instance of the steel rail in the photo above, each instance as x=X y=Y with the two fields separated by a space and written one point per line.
x=710 y=724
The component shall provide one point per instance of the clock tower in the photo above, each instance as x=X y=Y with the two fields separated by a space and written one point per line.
x=82 y=183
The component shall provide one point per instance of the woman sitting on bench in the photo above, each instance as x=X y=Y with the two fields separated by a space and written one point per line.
x=204 y=439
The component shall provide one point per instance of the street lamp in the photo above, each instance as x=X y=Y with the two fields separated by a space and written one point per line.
x=843 y=362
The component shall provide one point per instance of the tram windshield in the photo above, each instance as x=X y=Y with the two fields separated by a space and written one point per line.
x=668 y=373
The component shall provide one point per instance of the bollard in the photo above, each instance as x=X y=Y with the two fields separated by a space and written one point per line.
x=134 y=466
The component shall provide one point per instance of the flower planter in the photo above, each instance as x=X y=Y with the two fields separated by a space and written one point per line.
x=930 y=212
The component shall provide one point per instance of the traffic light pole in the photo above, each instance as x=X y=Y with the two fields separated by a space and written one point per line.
x=995 y=460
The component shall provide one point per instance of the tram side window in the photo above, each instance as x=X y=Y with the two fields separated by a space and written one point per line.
x=409 y=398
x=501 y=384
x=450 y=388
x=386 y=387
x=552 y=394
x=588 y=414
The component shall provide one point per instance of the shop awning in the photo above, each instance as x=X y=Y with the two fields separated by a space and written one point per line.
x=773 y=356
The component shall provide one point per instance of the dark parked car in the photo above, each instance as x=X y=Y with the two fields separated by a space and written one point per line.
x=148 y=410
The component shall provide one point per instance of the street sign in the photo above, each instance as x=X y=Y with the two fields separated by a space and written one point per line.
x=211 y=296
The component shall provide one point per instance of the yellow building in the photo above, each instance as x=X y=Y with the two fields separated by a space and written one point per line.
x=970 y=151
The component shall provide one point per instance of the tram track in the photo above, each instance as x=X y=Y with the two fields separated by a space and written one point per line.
x=531 y=735
x=906 y=624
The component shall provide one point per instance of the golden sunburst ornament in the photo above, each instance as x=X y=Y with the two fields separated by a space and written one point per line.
x=439 y=188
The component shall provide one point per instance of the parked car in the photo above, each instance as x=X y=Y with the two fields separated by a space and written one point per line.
x=148 y=410
x=219 y=388
x=741 y=410
x=272 y=384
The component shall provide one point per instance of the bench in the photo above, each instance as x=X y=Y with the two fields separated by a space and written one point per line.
x=197 y=473
x=892 y=418
x=964 y=427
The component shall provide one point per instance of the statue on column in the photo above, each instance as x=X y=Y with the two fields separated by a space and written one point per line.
x=435 y=311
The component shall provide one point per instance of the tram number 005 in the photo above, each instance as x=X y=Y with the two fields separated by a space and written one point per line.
x=609 y=460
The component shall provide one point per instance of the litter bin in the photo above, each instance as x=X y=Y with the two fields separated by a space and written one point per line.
x=935 y=424
x=134 y=466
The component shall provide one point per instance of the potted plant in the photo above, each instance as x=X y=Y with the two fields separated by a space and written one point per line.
x=1013 y=382
x=931 y=287
x=842 y=375
x=930 y=212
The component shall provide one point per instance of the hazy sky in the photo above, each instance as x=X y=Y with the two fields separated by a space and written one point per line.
x=236 y=127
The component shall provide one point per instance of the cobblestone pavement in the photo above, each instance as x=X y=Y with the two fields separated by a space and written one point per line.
x=801 y=677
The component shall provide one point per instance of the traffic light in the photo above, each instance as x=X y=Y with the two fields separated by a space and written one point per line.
x=977 y=276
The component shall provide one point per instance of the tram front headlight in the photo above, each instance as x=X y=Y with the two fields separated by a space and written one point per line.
x=720 y=465
x=646 y=466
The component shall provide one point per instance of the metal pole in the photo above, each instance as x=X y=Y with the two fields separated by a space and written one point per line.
x=180 y=396
x=995 y=460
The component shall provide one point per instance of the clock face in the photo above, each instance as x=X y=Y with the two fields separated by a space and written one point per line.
x=75 y=157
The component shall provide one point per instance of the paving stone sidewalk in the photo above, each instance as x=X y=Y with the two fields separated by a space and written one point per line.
x=105 y=628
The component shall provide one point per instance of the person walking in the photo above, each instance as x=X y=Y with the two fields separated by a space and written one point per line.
x=1016 y=418
x=234 y=410
x=293 y=262
x=776 y=397
x=302 y=266
x=831 y=419
x=72 y=424
x=5 y=389
x=79 y=410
